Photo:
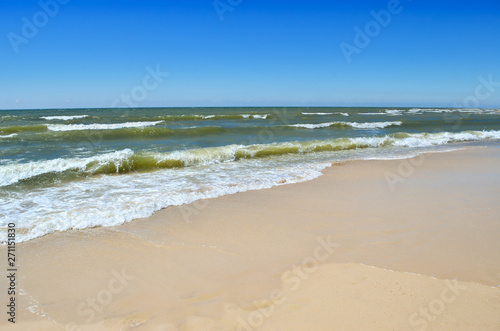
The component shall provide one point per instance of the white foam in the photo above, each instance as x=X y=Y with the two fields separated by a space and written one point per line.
x=442 y=138
x=247 y=116
x=325 y=114
x=9 y=135
x=420 y=111
x=113 y=200
x=78 y=127
x=356 y=125
x=63 y=118
x=394 y=112
x=255 y=116
x=373 y=125
x=313 y=126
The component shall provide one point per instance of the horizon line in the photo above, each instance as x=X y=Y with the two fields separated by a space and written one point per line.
x=211 y=107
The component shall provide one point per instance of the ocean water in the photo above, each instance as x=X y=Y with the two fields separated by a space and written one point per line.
x=76 y=168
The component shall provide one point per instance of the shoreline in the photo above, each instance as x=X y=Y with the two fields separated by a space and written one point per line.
x=189 y=266
x=415 y=153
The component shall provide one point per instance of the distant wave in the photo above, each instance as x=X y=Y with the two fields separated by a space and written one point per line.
x=420 y=111
x=356 y=125
x=226 y=117
x=210 y=117
x=325 y=114
x=9 y=135
x=78 y=127
x=148 y=132
x=63 y=118
x=22 y=129
x=4 y=118
x=126 y=160
x=373 y=113
x=373 y=125
x=255 y=116
x=314 y=126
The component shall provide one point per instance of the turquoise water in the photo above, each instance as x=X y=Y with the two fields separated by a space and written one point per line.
x=64 y=169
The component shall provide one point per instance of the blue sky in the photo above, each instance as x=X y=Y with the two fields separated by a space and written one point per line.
x=263 y=53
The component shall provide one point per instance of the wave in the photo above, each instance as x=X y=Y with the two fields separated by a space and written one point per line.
x=420 y=111
x=64 y=118
x=373 y=125
x=149 y=132
x=209 y=117
x=313 y=126
x=368 y=125
x=13 y=173
x=23 y=129
x=126 y=160
x=7 y=118
x=78 y=127
x=394 y=112
x=72 y=127
x=8 y=136
x=325 y=114
x=255 y=116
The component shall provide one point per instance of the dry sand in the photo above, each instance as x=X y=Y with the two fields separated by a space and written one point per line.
x=369 y=245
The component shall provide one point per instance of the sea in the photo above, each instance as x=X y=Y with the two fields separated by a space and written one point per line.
x=63 y=169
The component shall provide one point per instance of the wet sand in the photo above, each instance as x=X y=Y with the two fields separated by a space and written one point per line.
x=389 y=244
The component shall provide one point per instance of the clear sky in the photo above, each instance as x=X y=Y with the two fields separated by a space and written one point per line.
x=90 y=53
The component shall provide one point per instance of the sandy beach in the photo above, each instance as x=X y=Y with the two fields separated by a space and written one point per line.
x=379 y=244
